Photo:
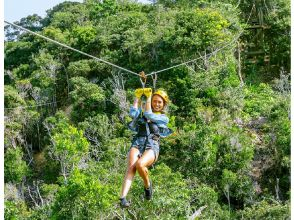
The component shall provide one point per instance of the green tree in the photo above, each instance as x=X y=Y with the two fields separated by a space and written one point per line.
x=83 y=197
x=68 y=145
x=87 y=97
x=15 y=168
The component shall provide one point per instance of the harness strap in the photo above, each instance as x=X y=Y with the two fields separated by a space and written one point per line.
x=147 y=128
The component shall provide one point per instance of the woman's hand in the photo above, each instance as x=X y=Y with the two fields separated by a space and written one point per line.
x=139 y=93
x=147 y=92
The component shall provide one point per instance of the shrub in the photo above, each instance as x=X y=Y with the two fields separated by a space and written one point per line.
x=15 y=168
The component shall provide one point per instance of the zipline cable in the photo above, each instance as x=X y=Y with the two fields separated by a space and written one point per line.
x=198 y=58
x=214 y=52
x=124 y=69
x=71 y=48
x=142 y=75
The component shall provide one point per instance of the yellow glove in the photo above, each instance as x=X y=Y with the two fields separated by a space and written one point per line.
x=138 y=93
x=147 y=92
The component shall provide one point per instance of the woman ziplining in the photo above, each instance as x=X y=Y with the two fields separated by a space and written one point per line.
x=149 y=118
x=150 y=124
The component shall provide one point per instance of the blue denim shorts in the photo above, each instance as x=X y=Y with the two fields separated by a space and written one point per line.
x=145 y=143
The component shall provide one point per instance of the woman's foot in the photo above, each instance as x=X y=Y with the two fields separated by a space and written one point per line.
x=124 y=203
x=148 y=191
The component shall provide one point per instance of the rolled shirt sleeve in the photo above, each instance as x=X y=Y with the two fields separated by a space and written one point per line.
x=134 y=112
x=160 y=119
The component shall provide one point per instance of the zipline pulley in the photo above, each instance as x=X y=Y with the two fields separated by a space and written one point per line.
x=143 y=78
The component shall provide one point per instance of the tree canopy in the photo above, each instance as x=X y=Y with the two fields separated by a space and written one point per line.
x=66 y=138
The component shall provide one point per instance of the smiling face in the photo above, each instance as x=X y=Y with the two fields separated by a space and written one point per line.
x=157 y=103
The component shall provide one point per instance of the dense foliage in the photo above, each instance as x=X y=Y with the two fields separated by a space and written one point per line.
x=66 y=138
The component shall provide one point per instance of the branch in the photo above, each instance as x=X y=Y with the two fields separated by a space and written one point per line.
x=132 y=214
x=197 y=213
x=36 y=204
x=118 y=215
x=38 y=191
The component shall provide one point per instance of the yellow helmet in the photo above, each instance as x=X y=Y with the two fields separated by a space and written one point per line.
x=162 y=94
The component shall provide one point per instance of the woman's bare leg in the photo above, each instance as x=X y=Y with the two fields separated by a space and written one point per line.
x=143 y=163
x=131 y=171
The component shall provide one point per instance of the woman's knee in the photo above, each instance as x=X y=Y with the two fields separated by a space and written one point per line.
x=140 y=165
x=131 y=169
x=146 y=160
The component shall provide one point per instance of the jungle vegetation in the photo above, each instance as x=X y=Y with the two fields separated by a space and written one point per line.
x=66 y=138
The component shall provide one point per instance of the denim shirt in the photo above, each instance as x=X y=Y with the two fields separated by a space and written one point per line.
x=160 y=119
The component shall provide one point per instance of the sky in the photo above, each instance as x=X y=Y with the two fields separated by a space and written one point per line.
x=14 y=10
